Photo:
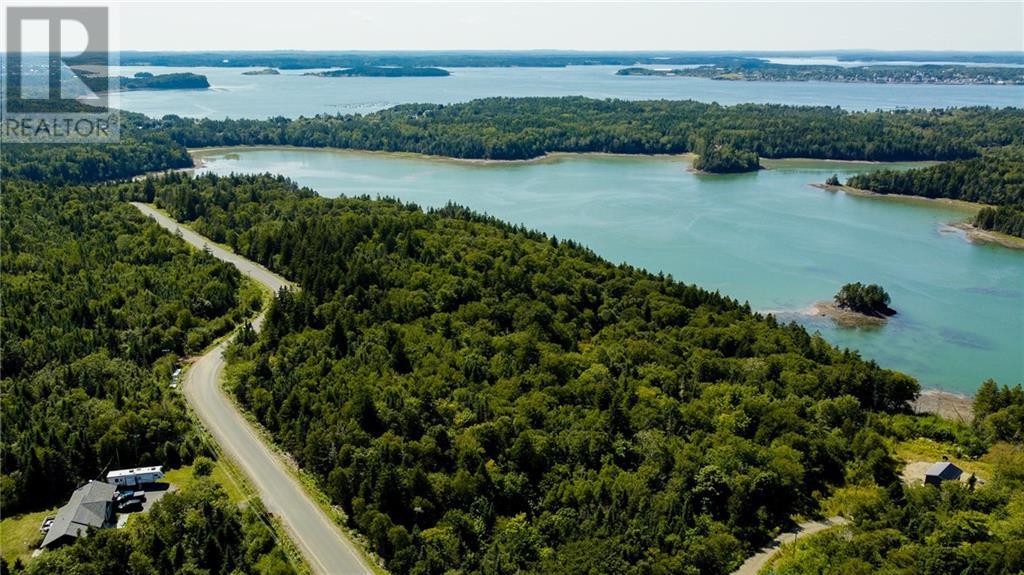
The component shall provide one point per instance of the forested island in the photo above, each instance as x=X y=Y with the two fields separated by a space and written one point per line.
x=262 y=72
x=879 y=74
x=523 y=128
x=996 y=178
x=382 y=72
x=148 y=81
x=856 y=305
x=724 y=159
x=870 y=299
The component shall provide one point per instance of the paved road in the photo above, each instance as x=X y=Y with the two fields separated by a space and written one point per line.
x=325 y=547
x=755 y=563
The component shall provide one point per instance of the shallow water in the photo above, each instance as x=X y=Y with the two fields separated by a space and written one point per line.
x=768 y=238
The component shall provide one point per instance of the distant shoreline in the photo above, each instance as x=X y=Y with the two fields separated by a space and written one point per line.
x=961 y=204
x=545 y=158
x=549 y=157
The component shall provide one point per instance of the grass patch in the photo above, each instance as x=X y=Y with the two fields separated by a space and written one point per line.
x=924 y=449
x=847 y=501
x=183 y=477
x=20 y=535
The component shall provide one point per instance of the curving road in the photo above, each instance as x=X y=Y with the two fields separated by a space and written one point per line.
x=327 y=550
x=754 y=564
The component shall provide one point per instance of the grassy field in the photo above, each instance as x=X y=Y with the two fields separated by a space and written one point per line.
x=20 y=535
x=929 y=451
x=182 y=477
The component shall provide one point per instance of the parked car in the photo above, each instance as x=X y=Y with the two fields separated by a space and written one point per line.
x=46 y=524
x=125 y=496
x=128 y=505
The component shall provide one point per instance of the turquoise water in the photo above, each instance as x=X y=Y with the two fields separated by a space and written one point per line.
x=768 y=238
x=291 y=94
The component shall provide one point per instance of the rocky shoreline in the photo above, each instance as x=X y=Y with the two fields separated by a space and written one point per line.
x=945 y=404
x=844 y=317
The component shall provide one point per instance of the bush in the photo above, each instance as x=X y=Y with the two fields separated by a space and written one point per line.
x=202 y=467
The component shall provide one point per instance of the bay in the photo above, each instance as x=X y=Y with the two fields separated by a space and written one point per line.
x=768 y=238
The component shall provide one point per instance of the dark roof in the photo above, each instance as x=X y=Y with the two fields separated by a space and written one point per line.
x=89 y=506
x=944 y=470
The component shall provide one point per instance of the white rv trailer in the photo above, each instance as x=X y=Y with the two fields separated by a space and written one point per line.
x=135 y=477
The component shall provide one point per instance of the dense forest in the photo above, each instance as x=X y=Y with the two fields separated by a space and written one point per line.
x=1004 y=219
x=197 y=531
x=476 y=396
x=883 y=74
x=143 y=148
x=724 y=159
x=484 y=398
x=519 y=128
x=98 y=304
x=996 y=178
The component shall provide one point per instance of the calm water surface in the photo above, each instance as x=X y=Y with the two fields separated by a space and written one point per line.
x=768 y=238
x=291 y=94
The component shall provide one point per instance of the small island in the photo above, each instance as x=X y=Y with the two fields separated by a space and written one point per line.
x=725 y=159
x=263 y=72
x=382 y=72
x=148 y=81
x=857 y=305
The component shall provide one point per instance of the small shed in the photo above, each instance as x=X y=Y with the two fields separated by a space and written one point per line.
x=942 y=471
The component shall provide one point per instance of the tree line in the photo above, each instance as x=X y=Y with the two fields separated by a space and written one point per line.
x=996 y=178
x=482 y=397
x=143 y=148
x=521 y=128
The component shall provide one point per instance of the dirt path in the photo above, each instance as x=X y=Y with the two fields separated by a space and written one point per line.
x=756 y=562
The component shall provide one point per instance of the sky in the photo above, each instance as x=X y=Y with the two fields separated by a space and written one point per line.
x=184 y=26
